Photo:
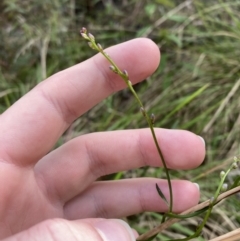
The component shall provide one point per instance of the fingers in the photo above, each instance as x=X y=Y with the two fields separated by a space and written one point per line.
x=82 y=230
x=68 y=170
x=34 y=123
x=131 y=196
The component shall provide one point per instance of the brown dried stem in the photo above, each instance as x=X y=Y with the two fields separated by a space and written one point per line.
x=200 y=206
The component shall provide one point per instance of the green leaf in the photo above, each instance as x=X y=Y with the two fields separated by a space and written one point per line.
x=143 y=30
x=174 y=38
x=150 y=9
x=236 y=182
x=184 y=102
x=177 y=18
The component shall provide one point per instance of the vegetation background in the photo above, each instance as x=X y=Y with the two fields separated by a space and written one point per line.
x=196 y=87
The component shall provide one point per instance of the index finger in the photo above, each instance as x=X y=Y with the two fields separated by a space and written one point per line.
x=35 y=122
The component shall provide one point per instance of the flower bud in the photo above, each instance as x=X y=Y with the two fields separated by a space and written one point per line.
x=83 y=30
x=234 y=165
x=100 y=46
x=91 y=36
x=235 y=159
x=212 y=199
x=222 y=174
x=125 y=73
x=224 y=187
x=84 y=35
x=111 y=67
x=152 y=118
x=91 y=45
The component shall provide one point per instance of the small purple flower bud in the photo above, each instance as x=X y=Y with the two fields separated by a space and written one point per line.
x=83 y=30
x=111 y=67
x=125 y=73
x=91 y=36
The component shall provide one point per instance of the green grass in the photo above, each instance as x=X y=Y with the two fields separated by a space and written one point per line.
x=196 y=86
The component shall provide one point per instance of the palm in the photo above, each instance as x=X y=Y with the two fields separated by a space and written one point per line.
x=37 y=184
x=25 y=202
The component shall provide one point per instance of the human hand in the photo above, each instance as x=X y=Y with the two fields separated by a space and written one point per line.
x=56 y=186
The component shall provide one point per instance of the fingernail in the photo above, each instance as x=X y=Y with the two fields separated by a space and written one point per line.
x=202 y=140
x=114 y=230
x=197 y=185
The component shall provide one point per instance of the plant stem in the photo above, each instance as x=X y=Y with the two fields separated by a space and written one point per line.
x=150 y=121
x=124 y=76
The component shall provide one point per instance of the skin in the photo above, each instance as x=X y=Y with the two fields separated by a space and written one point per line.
x=47 y=193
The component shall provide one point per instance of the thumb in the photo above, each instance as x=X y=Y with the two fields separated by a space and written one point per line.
x=80 y=230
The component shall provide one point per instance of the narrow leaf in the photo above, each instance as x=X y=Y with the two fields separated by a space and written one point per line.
x=161 y=195
x=184 y=102
x=236 y=182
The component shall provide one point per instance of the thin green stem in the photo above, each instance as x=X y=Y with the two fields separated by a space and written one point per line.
x=129 y=84
x=213 y=202
x=184 y=216
x=125 y=77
